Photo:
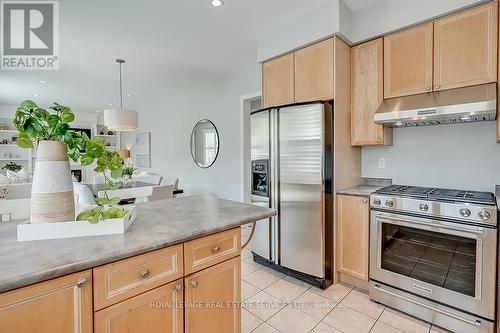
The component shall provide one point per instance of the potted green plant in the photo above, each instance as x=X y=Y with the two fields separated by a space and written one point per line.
x=128 y=171
x=52 y=198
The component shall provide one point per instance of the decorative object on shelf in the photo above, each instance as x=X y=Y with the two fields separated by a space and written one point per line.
x=120 y=119
x=12 y=167
x=111 y=133
x=124 y=153
x=143 y=150
x=204 y=143
x=3 y=127
x=5 y=141
x=102 y=132
x=4 y=190
x=14 y=139
x=128 y=172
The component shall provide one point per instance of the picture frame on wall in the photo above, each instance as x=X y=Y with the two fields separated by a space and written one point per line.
x=143 y=150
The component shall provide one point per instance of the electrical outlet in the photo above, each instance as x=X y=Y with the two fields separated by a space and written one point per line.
x=381 y=163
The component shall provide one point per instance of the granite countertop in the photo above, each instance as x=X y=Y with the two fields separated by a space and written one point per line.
x=359 y=190
x=366 y=187
x=159 y=224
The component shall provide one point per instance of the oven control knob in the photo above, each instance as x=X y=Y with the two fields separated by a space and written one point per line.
x=376 y=202
x=464 y=212
x=484 y=215
x=423 y=207
x=389 y=203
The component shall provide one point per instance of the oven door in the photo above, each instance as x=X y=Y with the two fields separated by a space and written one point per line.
x=450 y=263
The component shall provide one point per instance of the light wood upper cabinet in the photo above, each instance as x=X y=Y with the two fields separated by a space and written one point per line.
x=353 y=236
x=158 y=310
x=408 y=61
x=61 y=305
x=278 y=81
x=465 y=48
x=367 y=93
x=216 y=285
x=314 y=72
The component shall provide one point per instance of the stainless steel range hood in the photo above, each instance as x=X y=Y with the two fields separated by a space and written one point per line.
x=476 y=103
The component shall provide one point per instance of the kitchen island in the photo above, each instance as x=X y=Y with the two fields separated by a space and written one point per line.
x=180 y=250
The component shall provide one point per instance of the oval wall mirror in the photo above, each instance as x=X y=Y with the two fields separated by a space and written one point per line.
x=204 y=143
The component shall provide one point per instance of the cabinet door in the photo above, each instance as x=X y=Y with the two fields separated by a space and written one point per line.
x=212 y=299
x=61 y=305
x=352 y=236
x=465 y=48
x=367 y=91
x=314 y=72
x=159 y=310
x=277 y=81
x=408 y=61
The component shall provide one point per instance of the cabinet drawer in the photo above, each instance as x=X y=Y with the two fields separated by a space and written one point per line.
x=210 y=250
x=129 y=277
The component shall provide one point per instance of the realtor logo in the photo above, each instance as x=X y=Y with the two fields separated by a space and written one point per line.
x=29 y=35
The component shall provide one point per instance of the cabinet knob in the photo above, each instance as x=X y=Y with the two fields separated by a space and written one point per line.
x=379 y=141
x=194 y=283
x=145 y=274
x=215 y=249
x=179 y=288
x=82 y=282
x=437 y=87
x=428 y=88
x=365 y=201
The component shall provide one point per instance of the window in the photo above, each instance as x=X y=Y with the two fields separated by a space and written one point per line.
x=209 y=145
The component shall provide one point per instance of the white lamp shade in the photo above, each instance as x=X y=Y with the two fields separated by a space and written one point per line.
x=121 y=120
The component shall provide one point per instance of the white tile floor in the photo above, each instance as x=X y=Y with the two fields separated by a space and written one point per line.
x=274 y=302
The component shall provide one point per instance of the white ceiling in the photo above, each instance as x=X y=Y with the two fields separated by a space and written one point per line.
x=163 y=41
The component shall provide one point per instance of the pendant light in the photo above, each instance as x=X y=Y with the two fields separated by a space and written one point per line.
x=121 y=120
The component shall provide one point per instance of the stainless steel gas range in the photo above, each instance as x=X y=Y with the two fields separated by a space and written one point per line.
x=433 y=254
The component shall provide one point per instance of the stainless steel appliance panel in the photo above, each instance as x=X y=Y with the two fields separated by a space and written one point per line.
x=301 y=211
x=260 y=145
x=447 y=262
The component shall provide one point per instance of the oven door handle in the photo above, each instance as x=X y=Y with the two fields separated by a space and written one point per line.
x=445 y=313
x=463 y=228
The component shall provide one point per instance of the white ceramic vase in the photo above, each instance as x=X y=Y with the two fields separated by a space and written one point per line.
x=52 y=198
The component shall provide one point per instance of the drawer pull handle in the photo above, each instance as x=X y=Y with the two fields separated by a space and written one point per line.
x=82 y=282
x=179 y=288
x=145 y=274
x=194 y=283
x=215 y=249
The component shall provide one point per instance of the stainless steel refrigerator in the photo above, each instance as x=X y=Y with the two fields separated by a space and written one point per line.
x=292 y=172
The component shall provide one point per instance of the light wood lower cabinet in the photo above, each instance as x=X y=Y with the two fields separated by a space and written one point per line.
x=353 y=223
x=159 y=310
x=212 y=299
x=62 y=305
x=141 y=294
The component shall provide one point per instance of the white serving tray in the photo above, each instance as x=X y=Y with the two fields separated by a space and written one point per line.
x=56 y=230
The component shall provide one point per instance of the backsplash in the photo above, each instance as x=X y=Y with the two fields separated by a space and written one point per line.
x=463 y=156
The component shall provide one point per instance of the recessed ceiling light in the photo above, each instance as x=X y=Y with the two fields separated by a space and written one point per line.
x=128 y=95
x=217 y=3
x=37 y=95
x=110 y=104
x=98 y=111
x=43 y=81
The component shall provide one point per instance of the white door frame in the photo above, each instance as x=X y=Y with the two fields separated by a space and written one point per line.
x=245 y=152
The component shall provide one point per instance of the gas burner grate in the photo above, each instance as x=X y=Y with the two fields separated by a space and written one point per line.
x=440 y=194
